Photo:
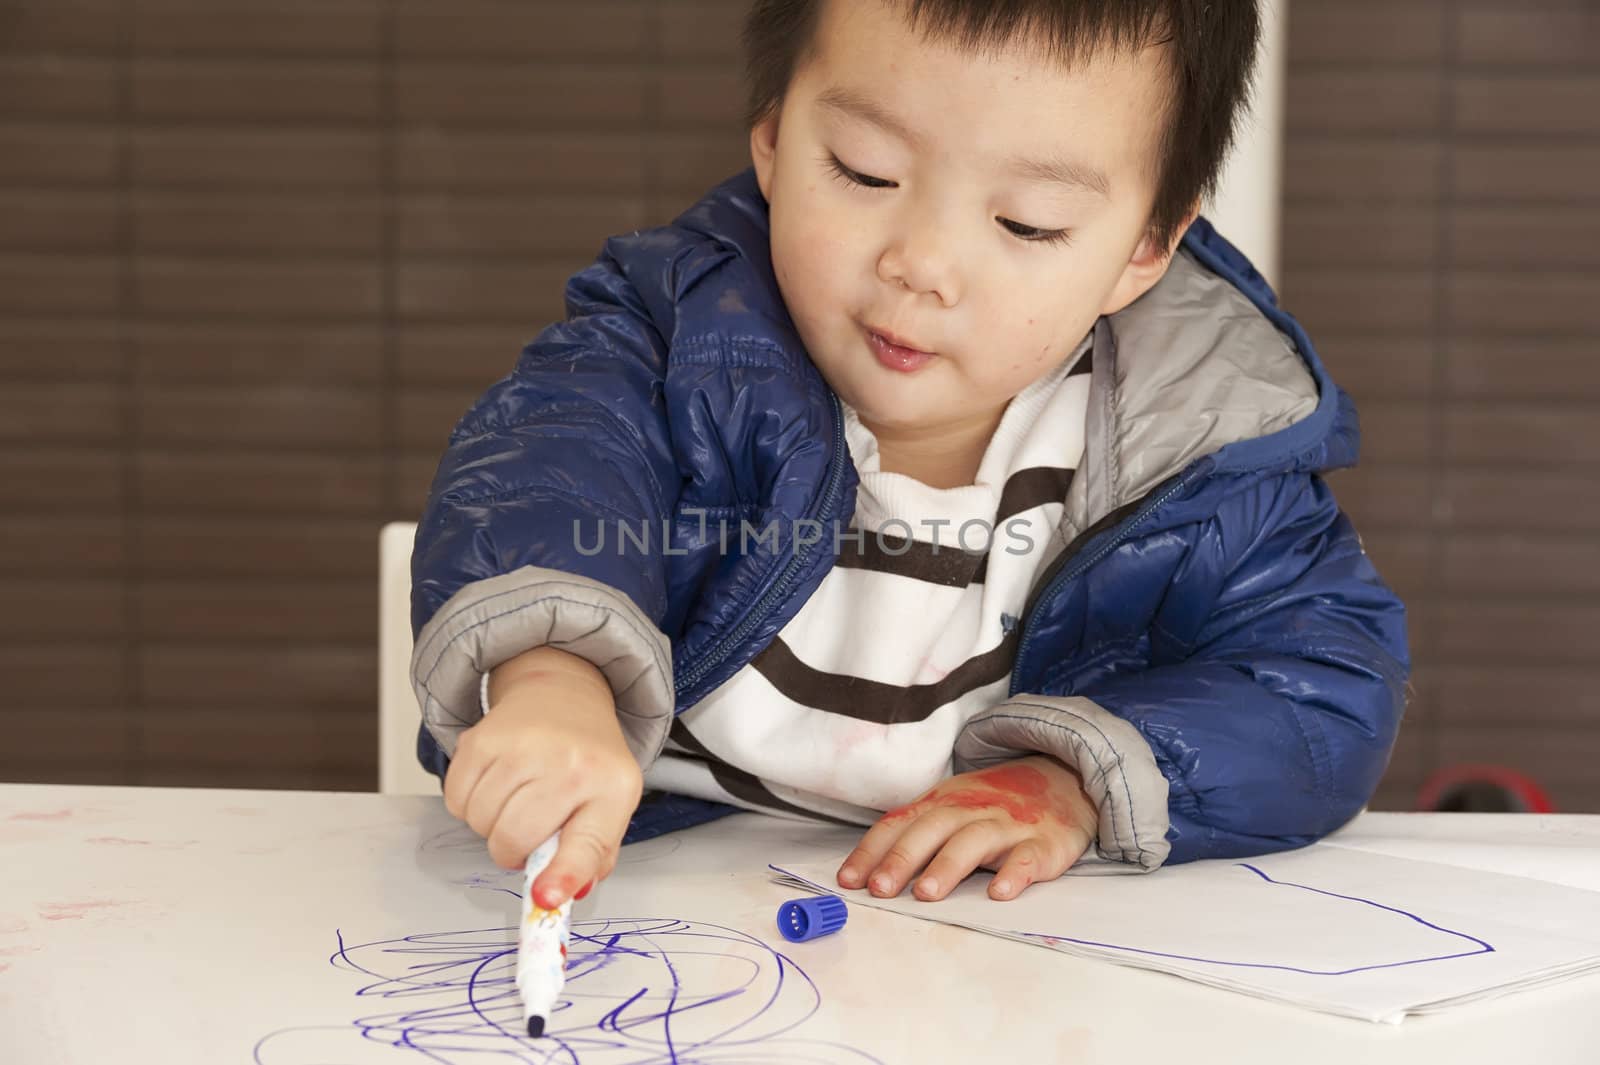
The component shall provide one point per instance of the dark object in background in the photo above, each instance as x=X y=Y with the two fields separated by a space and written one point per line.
x=1482 y=789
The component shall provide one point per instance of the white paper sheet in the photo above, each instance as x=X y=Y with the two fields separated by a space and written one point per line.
x=1329 y=928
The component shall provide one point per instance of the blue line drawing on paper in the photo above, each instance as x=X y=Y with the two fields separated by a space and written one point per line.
x=1480 y=946
x=640 y=991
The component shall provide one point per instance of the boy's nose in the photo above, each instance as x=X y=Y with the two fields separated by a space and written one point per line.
x=924 y=267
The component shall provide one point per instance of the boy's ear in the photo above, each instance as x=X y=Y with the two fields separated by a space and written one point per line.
x=1146 y=266
x=764 y=151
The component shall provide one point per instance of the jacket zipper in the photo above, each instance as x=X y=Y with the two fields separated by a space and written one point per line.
x=797 y=563
x=1053 y=582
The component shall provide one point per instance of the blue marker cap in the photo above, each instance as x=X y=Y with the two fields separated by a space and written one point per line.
x=810 y=917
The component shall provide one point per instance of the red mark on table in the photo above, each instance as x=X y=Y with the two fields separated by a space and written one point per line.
x=41 y=815
x=76 y=911
x=119 y=839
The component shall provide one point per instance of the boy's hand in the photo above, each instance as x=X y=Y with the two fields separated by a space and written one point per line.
x=549 y=755
x=1032 y=814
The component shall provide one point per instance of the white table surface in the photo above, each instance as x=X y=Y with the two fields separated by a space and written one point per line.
x=169 y=925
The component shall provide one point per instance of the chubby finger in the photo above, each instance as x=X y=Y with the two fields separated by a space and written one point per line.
x=912 y=850
x=526 y=819
x=493 y=789
x=870 y=851
x=1030 y=862
x=589 y=841
x=973 y=845
x=461 y=778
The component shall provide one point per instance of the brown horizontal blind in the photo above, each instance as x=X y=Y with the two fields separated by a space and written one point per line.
x=256 y=258
x=1440 y=244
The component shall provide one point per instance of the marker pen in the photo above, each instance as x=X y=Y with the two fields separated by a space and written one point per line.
x=541 y=945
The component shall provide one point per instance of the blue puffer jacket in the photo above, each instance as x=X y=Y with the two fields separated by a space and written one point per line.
x=1208 y=643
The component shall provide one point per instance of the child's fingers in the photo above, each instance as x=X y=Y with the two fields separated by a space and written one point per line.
x=486 y=805
x=529 y=816
x=873 y=846
x=1031 y=861
x=1020 y=869
x=587 y=841
x=870 y=851
x=911 y=850
x=461 y=778
x=969 y=848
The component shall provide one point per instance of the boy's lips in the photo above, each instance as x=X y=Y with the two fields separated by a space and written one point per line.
x=896 y=355
x=898 y=341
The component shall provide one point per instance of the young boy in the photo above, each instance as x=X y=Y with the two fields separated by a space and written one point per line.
x=692 y=541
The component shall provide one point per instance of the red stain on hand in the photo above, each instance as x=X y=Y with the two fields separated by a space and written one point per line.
x=902 y=813
x=1020 y=779
x=1025 y=811
x=1022 y=791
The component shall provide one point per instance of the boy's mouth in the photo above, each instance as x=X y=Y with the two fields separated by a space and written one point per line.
x=895 y=353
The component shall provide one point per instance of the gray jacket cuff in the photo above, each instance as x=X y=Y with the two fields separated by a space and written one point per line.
x=492 y=621
x=1118 y=768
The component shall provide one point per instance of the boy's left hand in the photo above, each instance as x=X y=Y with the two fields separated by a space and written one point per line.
x=1031 y=814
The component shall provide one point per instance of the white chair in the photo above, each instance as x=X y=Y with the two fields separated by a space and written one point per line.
x=399 y=773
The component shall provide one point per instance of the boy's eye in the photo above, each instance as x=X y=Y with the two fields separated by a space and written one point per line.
x=1034 y=235
x=852 y=177
x=1031 y=234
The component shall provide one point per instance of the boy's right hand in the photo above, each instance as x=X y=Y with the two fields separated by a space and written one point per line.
x=549 y=755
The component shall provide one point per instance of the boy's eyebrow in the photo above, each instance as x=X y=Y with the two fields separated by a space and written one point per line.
x=1064 y=172
x=1060 y=171
x=855 y=105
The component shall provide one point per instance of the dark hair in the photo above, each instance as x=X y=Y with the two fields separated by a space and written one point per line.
x=1211 y=49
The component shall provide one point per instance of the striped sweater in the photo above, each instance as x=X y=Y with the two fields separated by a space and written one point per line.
x=854 y=707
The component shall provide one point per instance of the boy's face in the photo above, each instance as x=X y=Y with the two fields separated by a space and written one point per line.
x=940 y=261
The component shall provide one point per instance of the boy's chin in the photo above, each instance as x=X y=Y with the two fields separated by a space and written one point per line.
x=880 y=414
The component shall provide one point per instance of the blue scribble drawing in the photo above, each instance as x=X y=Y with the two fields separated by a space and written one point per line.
x=640 y=991
x=1479 y=946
